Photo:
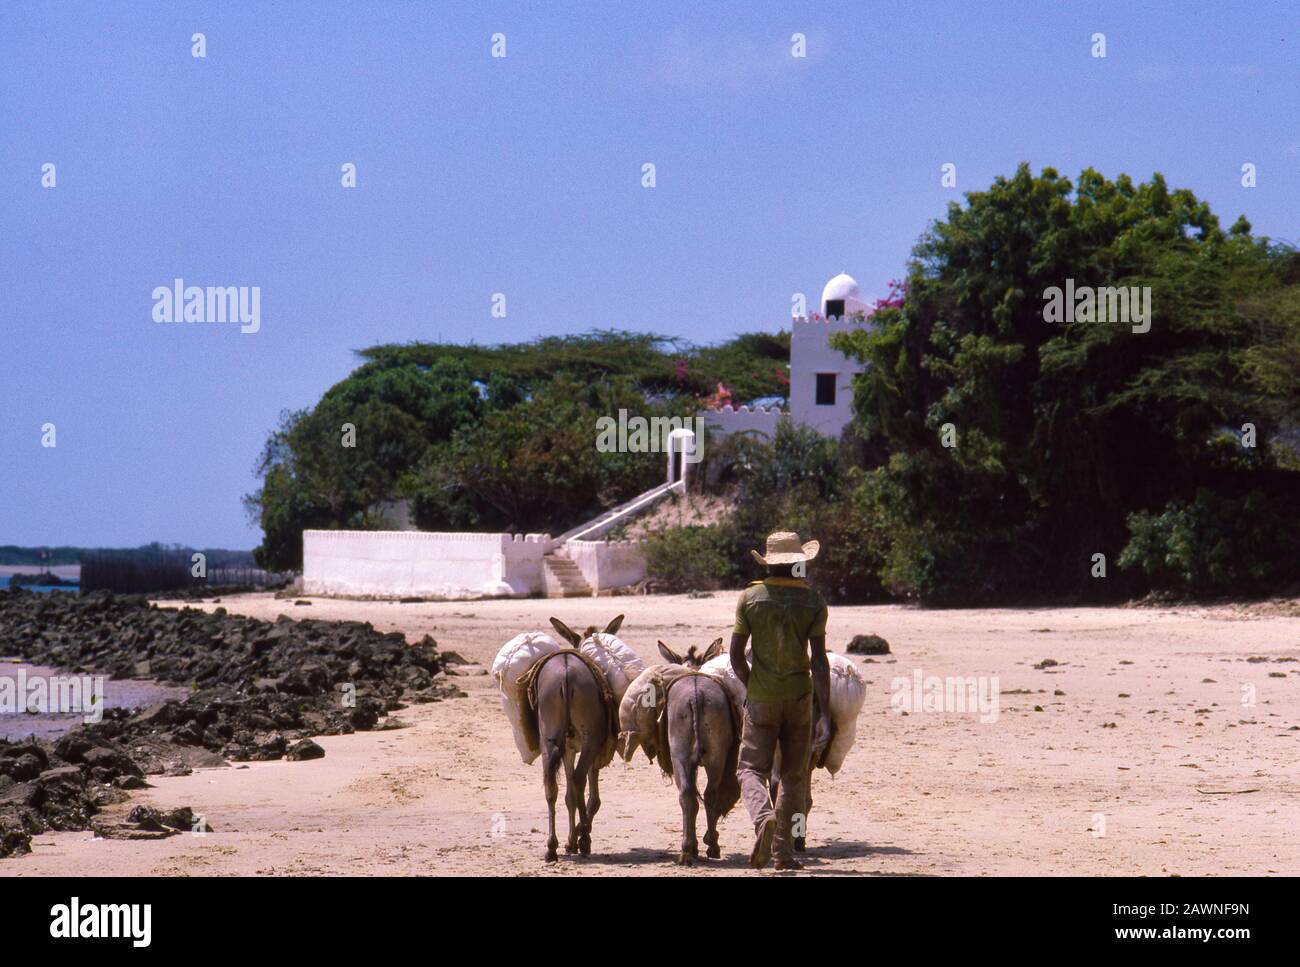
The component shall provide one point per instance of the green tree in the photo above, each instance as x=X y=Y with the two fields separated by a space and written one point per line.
x=494 y=437
x=327 y=467
x=534 y=466
x=1062 y=431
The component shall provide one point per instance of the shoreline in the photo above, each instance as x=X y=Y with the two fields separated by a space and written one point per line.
x=256 y=691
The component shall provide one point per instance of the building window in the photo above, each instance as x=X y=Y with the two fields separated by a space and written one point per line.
x=834 y=308
x=825 y=389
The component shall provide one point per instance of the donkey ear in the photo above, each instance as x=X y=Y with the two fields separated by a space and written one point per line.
x=613 y=626
x=712 y=651
x=567 y=633
x=669 y=654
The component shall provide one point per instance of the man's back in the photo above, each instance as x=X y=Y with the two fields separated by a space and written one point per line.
x=780 y=615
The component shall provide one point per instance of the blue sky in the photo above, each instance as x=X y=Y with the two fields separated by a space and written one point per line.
x=522 y=176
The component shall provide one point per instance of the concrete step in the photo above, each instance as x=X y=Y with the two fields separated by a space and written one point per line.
x=568 y=576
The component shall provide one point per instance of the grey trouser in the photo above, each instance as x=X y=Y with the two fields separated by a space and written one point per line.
x=768 y=724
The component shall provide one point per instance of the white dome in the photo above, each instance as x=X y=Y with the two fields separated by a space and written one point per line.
x=843 y=287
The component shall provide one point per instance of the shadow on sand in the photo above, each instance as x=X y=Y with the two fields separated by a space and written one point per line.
x=814 y=860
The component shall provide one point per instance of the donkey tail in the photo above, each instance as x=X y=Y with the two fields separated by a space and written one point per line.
x=697 y=748
x=566 y=691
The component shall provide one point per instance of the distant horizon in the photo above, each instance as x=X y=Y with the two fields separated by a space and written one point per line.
x=520 y=176
x=11 y=549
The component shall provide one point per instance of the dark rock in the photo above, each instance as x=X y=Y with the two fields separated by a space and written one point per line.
x=365 y=715
x=182 y=819
x=103 y=796
x=114 y=762
x=259 y=690
x=15 y=840
x=271 y=746
x=73 y=746
x=306 y=749
x=146 y=817
x=127 y=832
x=19 y=749
x=23 y=768
x=868 y=645
x=59 y=795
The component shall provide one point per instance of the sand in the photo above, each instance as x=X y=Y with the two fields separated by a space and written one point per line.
x=1152 y=761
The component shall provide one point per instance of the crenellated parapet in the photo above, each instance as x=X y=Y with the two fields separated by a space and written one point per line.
x=743 y=419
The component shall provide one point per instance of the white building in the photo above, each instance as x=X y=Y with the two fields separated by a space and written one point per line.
x=821 y=378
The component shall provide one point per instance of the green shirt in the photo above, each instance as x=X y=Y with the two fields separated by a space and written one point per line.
x=780 y=615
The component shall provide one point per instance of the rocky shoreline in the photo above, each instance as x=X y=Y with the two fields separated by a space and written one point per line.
x=260 y=691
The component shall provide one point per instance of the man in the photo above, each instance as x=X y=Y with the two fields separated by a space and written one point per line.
x=786 y=618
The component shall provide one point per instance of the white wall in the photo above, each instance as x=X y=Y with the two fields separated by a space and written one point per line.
x=608 y=564
x=729 y=419
x=810 y=354
x=394 y=564
x=521 y=563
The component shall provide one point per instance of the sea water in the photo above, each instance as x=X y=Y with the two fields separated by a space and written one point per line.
x=131 y=693
x=4 y=583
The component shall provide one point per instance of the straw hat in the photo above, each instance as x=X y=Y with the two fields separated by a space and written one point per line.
x=784 y=547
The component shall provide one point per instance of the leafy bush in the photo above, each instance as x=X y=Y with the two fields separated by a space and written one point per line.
x=680 y=559
x=1216 y=544
x=534 y=467
x=804 y=482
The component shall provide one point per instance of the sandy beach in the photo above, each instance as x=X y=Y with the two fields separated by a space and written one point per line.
x=1150 y=756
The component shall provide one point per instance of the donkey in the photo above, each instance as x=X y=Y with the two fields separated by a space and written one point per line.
x=701 y=731
x=573 y=720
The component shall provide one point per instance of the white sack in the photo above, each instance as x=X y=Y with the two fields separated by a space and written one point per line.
x=516 y=656
x=720 y=668
x=619 y=662
x=638 y=713
x=848 y=693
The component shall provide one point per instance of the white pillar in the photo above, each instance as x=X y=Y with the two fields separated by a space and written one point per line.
x=683 y=441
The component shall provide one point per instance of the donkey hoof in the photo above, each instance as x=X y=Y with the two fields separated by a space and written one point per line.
x=686 y=859
x=713 y=853
x=570 y=848
x=551 y=855
x=584 y=846
x=799 y=844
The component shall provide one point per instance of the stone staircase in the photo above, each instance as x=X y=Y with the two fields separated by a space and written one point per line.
x=563 y=577
x=594 y=528
x=564 y=574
